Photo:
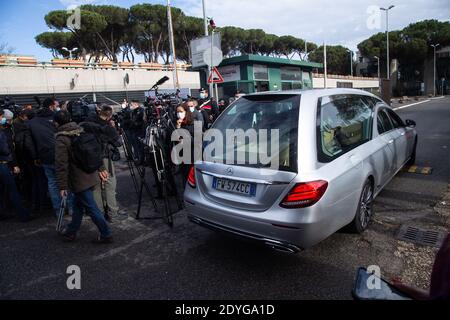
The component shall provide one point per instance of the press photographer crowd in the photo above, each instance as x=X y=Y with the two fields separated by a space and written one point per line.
x=60 y=157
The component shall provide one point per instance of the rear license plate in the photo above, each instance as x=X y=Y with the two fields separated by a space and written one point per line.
x=227 y=185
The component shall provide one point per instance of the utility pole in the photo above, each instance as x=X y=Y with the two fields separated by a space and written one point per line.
x=351 y=61
x=434 y=69
x=205 y=22
x=176 y=84
x=379 y=80
x=324 y=65
x=387 y=40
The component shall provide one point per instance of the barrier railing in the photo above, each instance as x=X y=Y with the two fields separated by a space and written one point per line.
x=81 y=64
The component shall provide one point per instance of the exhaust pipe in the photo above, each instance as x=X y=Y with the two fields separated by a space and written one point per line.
x=280 y=247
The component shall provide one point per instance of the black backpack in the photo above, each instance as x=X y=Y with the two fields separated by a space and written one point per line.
x=87 y=152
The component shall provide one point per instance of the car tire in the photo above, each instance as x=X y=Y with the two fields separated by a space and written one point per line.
x=364 y=212
x=412 y=159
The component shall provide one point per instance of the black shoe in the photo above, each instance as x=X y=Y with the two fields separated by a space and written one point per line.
x=68 y=237
x=6 y=217
x=108 y=218
x=28 y=219
x=121 y=216
x=102 y=240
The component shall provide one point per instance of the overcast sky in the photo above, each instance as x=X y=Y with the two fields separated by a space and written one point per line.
x=342 y=22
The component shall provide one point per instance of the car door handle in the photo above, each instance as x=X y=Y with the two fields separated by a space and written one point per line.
x=391 y=141
x=354 y=159
x=403 y=133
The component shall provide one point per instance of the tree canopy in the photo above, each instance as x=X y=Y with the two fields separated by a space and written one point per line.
x=121 y=33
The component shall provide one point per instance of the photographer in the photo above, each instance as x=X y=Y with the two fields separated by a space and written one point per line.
x=71 y=176
x=34 y=180
x=42 y=148
x=103 y=127
x=8 y=164
x=134 y=127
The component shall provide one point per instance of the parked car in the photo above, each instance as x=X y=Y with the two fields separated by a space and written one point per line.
x=338 y=149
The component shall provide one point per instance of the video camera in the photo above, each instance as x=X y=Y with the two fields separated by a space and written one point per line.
x=8 y=103
x=80 y=110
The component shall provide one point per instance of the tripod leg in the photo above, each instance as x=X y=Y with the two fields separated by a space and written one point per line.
x=141 y=189
x=167 y=211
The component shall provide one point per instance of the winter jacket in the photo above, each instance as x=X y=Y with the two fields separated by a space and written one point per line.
x=133 y=119
x=68 y=175
x=43 y=134
x=7 y=146
x=108 y=136
x=23 y=142
x=5 y=151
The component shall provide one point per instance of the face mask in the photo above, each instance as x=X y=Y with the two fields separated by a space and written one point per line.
x=181 y=115
x=3 y=122
x=192 y=109
x=203 y=95
x=58 y=109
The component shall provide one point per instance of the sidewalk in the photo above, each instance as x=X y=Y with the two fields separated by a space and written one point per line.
x=409 y=262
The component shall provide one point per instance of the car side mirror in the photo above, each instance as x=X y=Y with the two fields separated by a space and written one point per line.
x=368 y=286
x=410 y=123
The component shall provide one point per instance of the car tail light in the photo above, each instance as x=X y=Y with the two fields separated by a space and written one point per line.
x=191 y=177
x=304 y=194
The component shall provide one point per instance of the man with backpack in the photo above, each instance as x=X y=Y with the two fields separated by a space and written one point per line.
x=79 y=169
x=102 y=126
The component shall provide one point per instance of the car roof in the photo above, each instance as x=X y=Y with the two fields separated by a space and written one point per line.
x=316 y=92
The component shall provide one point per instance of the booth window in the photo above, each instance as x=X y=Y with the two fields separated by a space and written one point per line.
x=260 y=72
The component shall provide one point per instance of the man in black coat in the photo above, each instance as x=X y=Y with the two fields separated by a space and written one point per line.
x=103 y=127
x=42 y=150
x=35 y=181
x=7 y=164
x=134 y=127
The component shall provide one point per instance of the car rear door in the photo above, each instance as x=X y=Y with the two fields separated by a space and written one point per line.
x=401 y=139
x=385 y=161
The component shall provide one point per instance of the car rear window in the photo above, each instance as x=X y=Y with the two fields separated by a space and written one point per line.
x=262 y=112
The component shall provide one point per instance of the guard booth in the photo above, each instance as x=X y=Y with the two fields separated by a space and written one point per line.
x=254 y=73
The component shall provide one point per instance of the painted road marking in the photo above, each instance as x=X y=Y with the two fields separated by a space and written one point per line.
x=412 y=104
x=418 y=170
x=416 y=103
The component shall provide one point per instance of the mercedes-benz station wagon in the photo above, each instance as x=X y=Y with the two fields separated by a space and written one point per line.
x=337 y=149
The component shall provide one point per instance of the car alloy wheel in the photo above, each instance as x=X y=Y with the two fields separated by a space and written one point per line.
x=366 y=204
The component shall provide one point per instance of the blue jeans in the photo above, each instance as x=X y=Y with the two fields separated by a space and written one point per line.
x=85 y=200
x=8 y=184
x=53 y=189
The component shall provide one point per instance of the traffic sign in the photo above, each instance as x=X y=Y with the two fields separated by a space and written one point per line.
x=213 y=57
x=215 y=76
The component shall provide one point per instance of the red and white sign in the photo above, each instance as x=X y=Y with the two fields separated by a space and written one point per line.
x=215 y=76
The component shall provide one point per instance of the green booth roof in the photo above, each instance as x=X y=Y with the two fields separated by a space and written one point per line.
x=269 y=60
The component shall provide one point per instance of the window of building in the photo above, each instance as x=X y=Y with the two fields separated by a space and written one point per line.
x=291 y=74
x=260 y=72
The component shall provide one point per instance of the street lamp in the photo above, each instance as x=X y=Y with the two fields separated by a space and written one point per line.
x=378 y=63
x=434 y=68
x=351 y=61
x=387 y=38
x=70 y=51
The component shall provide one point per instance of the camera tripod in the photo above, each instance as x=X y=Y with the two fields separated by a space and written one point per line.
x=139 y=186
x=155 y=149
